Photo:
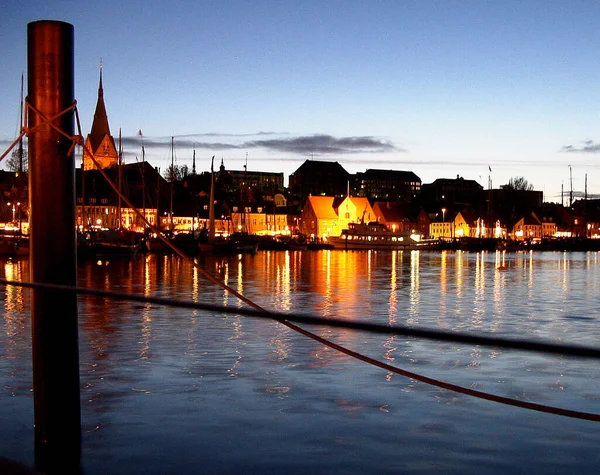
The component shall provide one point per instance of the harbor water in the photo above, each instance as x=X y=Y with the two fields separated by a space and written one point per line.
x=168 y=390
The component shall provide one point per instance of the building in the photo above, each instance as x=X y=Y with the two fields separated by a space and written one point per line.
x=99 y=141
x=452 y=193
x=510 y=204
x=526 y=228
x=404 y=217
x=325 y=216
x=317 y=178
x=386 y=185
x=98 y=203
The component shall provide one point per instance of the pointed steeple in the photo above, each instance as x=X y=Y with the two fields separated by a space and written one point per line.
x=100 y=127
x=100 y=142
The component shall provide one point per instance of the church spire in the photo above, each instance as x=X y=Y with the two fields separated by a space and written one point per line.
x=100 y=127
x=100 y=88
x=99 y=141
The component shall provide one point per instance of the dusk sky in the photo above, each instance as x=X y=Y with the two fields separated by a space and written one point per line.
x=440 y=88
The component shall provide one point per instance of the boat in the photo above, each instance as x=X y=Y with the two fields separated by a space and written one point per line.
x=153 y=243
x=378 y=236
x=207 y=240
x=116 y=243
x=243 y=242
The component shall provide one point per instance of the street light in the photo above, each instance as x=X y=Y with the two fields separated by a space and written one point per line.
x=443 y=215
x=14 y=209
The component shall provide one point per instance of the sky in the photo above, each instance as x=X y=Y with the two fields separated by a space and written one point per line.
x=486 y=90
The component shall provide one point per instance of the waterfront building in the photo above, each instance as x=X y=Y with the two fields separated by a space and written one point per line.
x=549 y=227
x=319 y=217
x=404 y=217
x=526 y=228
x=467 y=224
x=325 y=216
x=441 y=228
x=386 y=185
x=317 y=178
x=452 y=193
x=97 y=203
x=510 y=203
x=100 y=142
x=249 y=186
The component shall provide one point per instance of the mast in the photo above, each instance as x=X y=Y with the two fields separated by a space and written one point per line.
x=143 y=182
x=20 y=174
x=243 y=197
x=211 y=204
x=83 y=220
x=571 y=193
x=172 y=179
x=120 y=179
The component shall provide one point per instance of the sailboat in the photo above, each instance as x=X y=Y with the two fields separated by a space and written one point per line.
x=207 y=240
x=242 y=241
x=153 y=242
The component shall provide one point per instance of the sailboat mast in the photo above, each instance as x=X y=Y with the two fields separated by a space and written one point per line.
x=143 y=183
x=172 y=179
x=211 y=203
x=120 y=179
x=20 y=174
x=21 y=140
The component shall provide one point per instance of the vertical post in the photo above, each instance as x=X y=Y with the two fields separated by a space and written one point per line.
x=56 y=398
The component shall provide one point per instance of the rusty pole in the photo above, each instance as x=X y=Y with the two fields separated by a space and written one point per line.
x=55 y=348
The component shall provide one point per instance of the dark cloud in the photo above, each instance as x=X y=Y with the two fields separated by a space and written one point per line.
x=325 y=144
x=319 y=144
x=588 y=147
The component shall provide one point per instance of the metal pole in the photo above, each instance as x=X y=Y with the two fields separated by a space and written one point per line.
x=57 y=414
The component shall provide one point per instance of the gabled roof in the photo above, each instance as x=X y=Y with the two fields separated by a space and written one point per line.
x=469 y=217
x=393 y=211
x=322 y=206
x=316 y=166
x=360 y=202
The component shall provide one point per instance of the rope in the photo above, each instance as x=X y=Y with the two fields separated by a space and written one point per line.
x=429 y=334
x=287 y=321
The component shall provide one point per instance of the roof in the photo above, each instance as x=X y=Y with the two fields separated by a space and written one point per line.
x=323 y=206
x=393 y=211
x=316 y=166
x=390 y=174
x=100 y=128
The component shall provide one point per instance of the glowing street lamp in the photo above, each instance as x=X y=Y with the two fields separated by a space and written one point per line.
x=14 y=210
x=443 y=215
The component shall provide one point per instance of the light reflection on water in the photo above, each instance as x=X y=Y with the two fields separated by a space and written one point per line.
x=180 y=391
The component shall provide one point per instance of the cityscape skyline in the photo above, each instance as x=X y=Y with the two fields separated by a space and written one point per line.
x=484 y=91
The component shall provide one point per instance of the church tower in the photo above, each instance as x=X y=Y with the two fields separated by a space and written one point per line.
x=99 y=141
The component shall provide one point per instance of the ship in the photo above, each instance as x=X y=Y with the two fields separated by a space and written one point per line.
x=378 y=236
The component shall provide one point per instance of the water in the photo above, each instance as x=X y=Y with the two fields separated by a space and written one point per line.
x=180 y=391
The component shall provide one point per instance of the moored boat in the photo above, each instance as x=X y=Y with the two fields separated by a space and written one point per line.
x=377 y=236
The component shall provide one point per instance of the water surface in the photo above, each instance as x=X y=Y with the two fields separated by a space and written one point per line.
x=169 y=390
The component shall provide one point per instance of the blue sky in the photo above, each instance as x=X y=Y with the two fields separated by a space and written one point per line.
x=438 y=88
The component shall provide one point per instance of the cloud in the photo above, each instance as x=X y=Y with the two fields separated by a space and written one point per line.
x=325 y=144
x=318 y=144
x=588 y=147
